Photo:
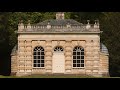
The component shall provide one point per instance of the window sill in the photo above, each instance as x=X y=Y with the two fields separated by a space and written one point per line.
x=38 y=67
x=78 y=68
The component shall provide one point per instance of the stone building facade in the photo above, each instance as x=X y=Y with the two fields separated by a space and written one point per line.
x=59 y=46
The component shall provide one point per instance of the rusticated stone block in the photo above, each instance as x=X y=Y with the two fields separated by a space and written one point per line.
x=48 y=67
x=68 y=58
x=48 y=58
x=68 y=62
x=68 y=48
x=48 y=54
x=68 y=67
x=48 y=62
x=48 y=48
x=68 y=53
x=88 y=72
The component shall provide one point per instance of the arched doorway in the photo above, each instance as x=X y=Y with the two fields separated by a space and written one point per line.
x=58 y=62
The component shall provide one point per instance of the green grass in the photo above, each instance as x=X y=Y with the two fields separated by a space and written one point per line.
x=52 y=77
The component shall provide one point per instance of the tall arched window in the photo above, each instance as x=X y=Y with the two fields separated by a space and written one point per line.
x=78 y=57
x=38 y=57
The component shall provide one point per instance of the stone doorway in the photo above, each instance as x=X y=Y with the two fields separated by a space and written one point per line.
x=58 y=61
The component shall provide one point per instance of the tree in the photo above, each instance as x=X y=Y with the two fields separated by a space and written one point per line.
x=84 y=16
x=4 y=41
x=110 y=25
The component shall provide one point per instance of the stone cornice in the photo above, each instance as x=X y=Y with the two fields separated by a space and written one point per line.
x=59 y=32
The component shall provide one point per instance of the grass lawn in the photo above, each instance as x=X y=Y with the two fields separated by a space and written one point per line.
x=51 y=77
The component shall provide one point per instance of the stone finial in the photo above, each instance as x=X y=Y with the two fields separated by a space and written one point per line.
x=96 y=25
x=48 y=25
x=95 y=21
x=20 y=25
x=28 y=25
x=88 y=21
x=68 y=25
x=60 y=15
x=88 y=24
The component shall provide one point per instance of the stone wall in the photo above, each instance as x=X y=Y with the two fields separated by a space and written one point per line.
x=104 y=64
x=90 y=43
x=92 y=57
x=13 y=64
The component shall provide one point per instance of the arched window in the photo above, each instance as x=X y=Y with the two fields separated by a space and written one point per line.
x=78 y=57
x=58 y=49
x=38 y=57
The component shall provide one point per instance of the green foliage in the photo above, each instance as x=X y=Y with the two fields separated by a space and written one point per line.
x=4 y=42
x=84 y=16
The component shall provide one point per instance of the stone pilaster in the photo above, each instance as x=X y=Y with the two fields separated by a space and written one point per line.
x=89 y=57
x=48 y=56
x=28 y=57
x=13 y=64
x=21 y=57
x=104 y=64
x=96 y=57
x=68 y=57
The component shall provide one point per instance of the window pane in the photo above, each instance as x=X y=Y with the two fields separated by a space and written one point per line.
x=74 y=57
x=42 y=53
x=78 y=57
x=42 y=65
x=78 y=53
x=74 y=50
x=42 y=61
x=42 y=57
x=78 y=61
x=42 y=49
x=74 y=65
x=82 y=53
x=82 y=50
x=38 y=65
x=74 y=53
x=34 y=57
x=78 y=65
x=74 y=61
x=38 y=53
x=34 y=53
x=58 y=49
x=34 y=61
x=34 y=65
x=82 y=61
x=82 y=65
x=82 y=57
